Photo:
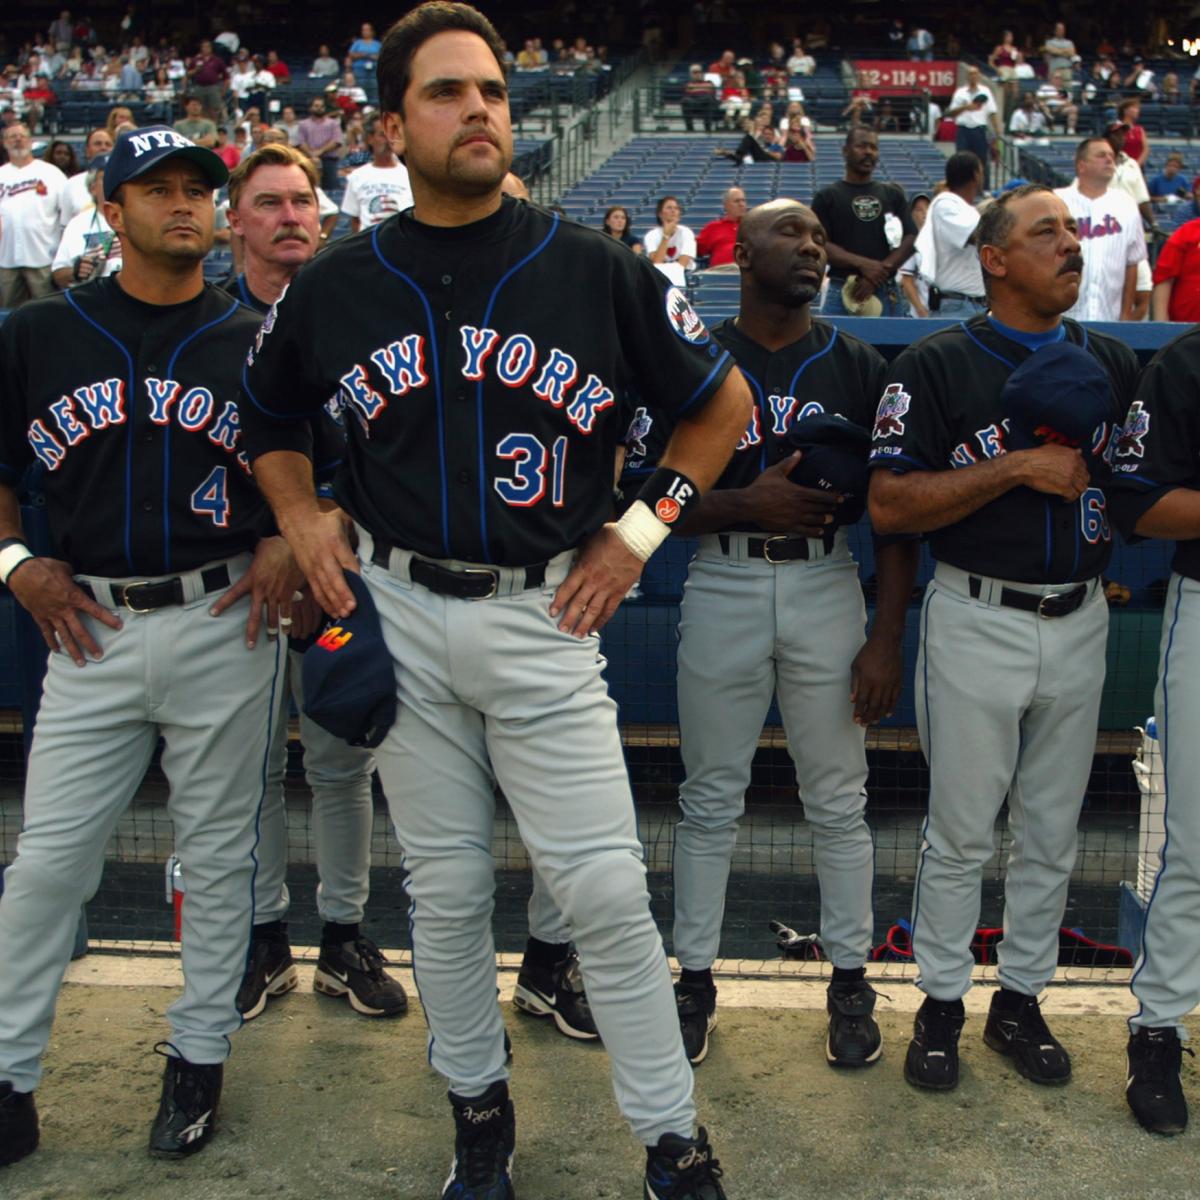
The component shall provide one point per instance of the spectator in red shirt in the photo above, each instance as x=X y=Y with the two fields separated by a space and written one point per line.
x=1176 y=295
x=278 y=68
x=208 y=74
x=1136 y=146
x=715 y=241
x=724 y=66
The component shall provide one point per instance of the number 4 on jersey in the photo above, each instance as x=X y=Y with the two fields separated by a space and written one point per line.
x=210 y=498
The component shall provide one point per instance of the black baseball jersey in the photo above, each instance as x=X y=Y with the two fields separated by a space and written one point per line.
x=1158 y=448
x=853 y=215
x=940 y=410
x=132 y=410
x=478 y=369
x=328 y=433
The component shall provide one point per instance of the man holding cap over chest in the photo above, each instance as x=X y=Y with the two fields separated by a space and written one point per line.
x=991 y=437
x=158 y=530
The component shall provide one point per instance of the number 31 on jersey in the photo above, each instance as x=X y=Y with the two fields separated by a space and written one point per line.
x=530 y=459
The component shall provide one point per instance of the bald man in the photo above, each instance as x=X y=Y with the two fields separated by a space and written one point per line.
x=773 y=607
x=716 y=240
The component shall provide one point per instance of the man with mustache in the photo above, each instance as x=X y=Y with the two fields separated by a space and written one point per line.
x=273 y=208
x=773 y=606
x=992 y=438
x=159 y=529
x=482 y=422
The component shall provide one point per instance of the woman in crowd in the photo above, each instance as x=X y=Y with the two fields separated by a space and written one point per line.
x=670 y=246
x=617 y=225
x=160 y=97
x=799 y=145
x=62 y=155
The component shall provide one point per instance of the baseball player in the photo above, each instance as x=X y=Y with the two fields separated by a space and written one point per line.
x=481 y=425
x=273 y=209
x=1156 y=493
x=1014 y=624
x=155 y=519
x=773 y=605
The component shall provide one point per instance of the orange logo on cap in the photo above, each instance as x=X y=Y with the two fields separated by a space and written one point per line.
x=666 y=510
x=334 y=638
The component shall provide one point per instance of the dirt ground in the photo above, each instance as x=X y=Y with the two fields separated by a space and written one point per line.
x=322 y=1103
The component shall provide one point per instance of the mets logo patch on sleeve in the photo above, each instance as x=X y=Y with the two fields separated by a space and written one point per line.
x=893 y=404
x=1132 y=434
x=684 y=319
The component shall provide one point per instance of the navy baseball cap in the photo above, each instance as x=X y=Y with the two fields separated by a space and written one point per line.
x=137 y=150
x=834 y=459
x=1059 y=394
x=348 y=675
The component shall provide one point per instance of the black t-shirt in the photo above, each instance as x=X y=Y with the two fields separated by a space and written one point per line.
x=478 y=368
x=940 y=410
x=853 y=215
x=1158 y=448
x=132 y=409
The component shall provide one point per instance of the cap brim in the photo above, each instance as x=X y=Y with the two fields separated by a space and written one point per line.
x=215 y=171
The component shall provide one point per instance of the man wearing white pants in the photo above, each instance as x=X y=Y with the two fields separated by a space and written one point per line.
x=1013 y=629
x=1158 y=495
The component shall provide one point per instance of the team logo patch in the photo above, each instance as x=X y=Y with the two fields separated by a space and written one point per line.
x=667 y=510
x=866 y=208
x=334 y=638
x=893 y=404
x=638 y=432
x=1137 y=425
x=684 y=319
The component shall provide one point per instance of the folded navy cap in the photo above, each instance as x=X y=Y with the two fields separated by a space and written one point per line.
x=137 y=150
x=1060 y=394
x=348 y=675
x=834 y=459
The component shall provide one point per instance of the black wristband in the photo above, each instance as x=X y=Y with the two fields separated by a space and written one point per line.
x=667 y=493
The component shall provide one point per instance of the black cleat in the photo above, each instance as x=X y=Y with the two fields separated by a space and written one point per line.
x=697 y=1018
x=680 y=1168
x=557 y=992
x=1153 y=1089
x=932 y=1059
x=485 y=1133
x=355 y=970
x=1021 y=1033
x=18 y=1125
x=188 y=1107
x=270 y=970
x=854 y=1038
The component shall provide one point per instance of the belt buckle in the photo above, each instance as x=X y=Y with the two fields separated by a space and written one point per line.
x=494 y=576
x=775 y=562
x=1044 y=611
x=128 y=588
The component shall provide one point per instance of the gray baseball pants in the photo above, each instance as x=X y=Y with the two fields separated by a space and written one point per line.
x=1007 y=705
x=491 y=691
x=188 y=676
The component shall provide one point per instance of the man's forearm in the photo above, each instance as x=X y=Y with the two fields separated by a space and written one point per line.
x=1127 y=292
x=285 y=477
x=896 y=572
x=901 y=254
x=921 y=501
x=701 y=446
x=1160 y=300
x=10 y=514
x=1175 y=517
x=717 y=510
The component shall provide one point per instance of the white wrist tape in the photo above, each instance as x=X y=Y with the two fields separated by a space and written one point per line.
x=641 y=531
x=11 y=557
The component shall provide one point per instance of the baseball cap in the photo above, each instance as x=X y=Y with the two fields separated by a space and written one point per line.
x=348 y=675
x=1060 y=394
x=136 y=151
x=872 y=306
x=834 y=460
x=1113 y=126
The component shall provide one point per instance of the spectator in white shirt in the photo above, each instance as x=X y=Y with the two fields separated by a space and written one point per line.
x=1054 y=96
x=973 y=109
x=325 y=66
x=379 y=188
x=1109 y=228
x=800 y=62
x=31 y=221
x=1029 y=120
x=671 y=247
x=89 y=249
x=949 y=260
x=916 y=289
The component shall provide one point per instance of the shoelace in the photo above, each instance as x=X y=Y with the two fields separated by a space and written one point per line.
x=370 y=956
x=190 y=1089
x=1032 y=1024
x=700 y=1173
x=940 y=1028
x=1163 y=1056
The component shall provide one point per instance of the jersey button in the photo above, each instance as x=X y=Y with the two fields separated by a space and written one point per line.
x=147 y=505
x=447 y=280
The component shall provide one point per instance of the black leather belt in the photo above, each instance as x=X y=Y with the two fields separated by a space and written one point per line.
x=776 y=548
x=961 y=296
x=1058 y=604
x=463 y=583
x=162 y=593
